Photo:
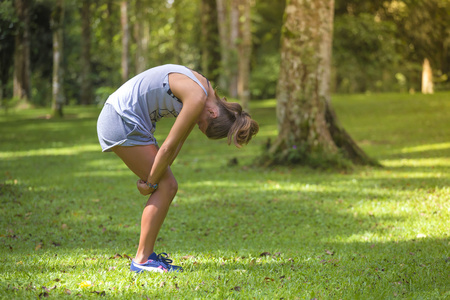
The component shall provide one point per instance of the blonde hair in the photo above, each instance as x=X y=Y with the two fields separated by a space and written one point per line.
x=232 y=123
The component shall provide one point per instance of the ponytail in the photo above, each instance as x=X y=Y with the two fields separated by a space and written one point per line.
x=233 y=123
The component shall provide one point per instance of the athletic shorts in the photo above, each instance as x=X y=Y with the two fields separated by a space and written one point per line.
x=113 y=131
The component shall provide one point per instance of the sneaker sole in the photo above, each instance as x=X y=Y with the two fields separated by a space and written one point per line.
x=148 y=269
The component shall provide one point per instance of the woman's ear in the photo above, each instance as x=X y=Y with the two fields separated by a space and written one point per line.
x=213 y=112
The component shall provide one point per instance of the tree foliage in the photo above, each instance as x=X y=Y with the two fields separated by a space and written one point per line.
x=365 y=50
x=382 y=44
x=378 y=45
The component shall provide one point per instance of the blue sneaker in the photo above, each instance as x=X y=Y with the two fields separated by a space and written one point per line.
x=165 y=261
x=156 y=263
x=150 y=265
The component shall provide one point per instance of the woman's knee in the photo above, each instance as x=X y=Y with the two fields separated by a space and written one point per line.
x=172 y=186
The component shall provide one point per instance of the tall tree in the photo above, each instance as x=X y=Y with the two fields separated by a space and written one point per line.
x=178 y=37
x=307 y=124
x=224 y=41
x=110 y=20
x=142 y=36
x=22 y=70
x=233 y=46
x=210 y=50
x=125 y=40
x=244 y=52
x=7 y=40
x=235 y=40
x=57 y=24
x=86 y=82
x=228 y=20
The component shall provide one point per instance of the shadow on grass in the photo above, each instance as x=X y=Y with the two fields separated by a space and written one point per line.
x=306 y=240
x=310 y=235
x=94 y=203
x=83 y=205
x=233 y=213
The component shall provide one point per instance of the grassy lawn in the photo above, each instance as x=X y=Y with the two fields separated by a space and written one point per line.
x=69 y=216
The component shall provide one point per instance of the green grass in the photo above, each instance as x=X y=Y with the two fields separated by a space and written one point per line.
x=240 y=232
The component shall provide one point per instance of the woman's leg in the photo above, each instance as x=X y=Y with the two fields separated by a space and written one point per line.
x=140 y=160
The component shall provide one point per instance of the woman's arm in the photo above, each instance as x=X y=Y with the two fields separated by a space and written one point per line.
x=180 y=145
x=194 y=100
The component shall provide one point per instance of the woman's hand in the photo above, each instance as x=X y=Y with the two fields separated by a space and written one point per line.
x=143 y=188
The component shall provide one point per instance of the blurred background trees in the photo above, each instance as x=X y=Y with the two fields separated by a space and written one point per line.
x=378 y=45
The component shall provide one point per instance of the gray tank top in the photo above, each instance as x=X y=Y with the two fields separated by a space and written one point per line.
x=146 y=98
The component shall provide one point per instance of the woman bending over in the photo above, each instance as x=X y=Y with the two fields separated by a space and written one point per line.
x=126 y=127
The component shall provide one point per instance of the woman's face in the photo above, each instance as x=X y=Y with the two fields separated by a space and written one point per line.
x=203 y=121
x=210 y=111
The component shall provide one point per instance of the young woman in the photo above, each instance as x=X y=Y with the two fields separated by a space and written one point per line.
x=126 y=126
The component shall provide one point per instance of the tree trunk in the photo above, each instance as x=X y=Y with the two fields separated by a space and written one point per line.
x=210 y=58
x=57 y=23
x=86 y=83
x=142 y=37
x=111 y=21
x=177 y=7
x=125 y=40
x=427 y=78
x=308 y=126
x=224 y=40
x=22 y=70
x=233 y=42
x=6 y=61
x=244 y=51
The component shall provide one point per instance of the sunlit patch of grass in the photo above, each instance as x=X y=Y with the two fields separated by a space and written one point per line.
x=70 y=214
x=74 y=150
x=423 y=148
x=424 y=162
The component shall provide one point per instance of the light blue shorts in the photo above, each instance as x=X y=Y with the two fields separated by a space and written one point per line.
x=113 y=131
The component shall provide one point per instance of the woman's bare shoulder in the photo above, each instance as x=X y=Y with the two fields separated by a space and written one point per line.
x=184 y=87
